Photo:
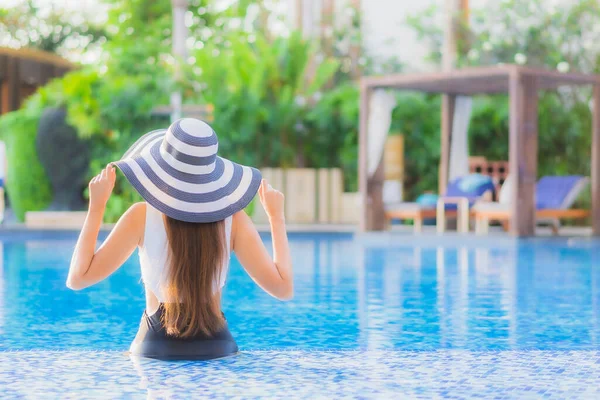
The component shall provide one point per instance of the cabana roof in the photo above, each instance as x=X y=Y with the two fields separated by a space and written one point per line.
x=477 y=80
x=22 y=71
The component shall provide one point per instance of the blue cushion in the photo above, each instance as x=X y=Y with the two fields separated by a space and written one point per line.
x=472 y=182
x=472 y=187
x=551 y=191
x=428 y=200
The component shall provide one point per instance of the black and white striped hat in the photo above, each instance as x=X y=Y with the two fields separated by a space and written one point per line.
x=178 y=172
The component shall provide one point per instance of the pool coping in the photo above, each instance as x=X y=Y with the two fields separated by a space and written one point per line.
x=396 y=240
x=403 y=232
x=308 y=228
x=328 y=227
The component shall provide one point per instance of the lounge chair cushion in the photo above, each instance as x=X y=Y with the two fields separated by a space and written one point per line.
x=507 y=190
x=392 y=192
x=471 y=186
x=472 y=182
x=553 y=191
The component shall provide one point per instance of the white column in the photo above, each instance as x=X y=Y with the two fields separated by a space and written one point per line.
x=180 y=34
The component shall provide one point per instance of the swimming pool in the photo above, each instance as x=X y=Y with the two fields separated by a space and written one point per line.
x=372 y=316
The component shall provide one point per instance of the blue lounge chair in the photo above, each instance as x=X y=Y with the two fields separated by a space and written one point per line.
x=555 y=196
x=470 y=187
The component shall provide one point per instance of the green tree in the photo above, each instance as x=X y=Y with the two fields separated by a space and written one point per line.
x=47 y=28
x=563 y=37
x=262 y=97
x=140 y=31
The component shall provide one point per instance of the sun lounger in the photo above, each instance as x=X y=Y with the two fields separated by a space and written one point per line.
x=555 y=196
x=470 y=187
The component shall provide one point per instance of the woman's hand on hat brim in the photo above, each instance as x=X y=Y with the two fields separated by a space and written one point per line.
x=272 y=200
x=101 y=187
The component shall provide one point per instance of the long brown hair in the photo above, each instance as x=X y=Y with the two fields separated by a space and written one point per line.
x=196 y=255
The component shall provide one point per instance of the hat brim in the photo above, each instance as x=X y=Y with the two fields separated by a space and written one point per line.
x=200 y=194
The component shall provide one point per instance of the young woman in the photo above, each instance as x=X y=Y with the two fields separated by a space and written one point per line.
x=192 y=217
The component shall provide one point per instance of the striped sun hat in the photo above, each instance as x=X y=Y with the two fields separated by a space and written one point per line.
x=177 y=171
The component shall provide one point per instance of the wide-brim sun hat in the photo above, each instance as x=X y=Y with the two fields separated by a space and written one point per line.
x=177 y=171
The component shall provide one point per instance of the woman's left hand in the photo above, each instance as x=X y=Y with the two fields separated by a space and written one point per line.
x=101 y=187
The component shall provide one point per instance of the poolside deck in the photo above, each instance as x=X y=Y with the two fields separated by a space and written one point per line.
x=58 y=222
x=398 y=231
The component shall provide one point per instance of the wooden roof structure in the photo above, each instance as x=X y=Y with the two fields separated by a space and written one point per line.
x=480 y=80
x=522 y=85
x=22 y=71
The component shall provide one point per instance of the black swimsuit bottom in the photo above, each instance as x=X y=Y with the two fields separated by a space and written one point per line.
x=152 y=341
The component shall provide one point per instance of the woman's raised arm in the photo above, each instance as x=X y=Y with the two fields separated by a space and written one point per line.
x=273 y=275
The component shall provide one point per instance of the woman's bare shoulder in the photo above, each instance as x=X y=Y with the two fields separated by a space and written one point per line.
x=135 y=220
x=240 y=225
x=137 y=211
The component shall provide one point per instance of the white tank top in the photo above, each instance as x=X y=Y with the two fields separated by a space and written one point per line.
x=153 y=254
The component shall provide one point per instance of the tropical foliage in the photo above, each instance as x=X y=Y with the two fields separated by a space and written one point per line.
x=266 y=111
x=262 y=93
x=562 y=37
x=28 y=24
x=283 y=101
x=27 y=186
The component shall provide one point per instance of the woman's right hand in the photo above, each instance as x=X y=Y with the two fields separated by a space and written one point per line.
x=272 y=274
x=272 y=200
x=101 y=187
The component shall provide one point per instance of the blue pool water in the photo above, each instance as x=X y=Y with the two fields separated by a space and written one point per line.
x=408 y=308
